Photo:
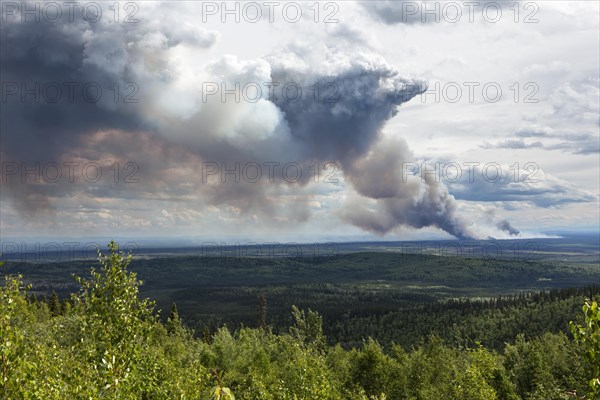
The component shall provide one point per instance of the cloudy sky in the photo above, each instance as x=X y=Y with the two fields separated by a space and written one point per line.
x=299 y=120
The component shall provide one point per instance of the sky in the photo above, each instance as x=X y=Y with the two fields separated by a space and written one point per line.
x=299 y=121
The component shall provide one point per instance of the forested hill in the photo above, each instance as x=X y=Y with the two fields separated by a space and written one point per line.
x=106 y=342
x=393 y=297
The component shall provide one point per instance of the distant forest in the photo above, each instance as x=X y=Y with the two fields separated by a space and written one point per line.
x=106 y=341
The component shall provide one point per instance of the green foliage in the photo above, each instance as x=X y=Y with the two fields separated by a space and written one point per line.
x=54 y=305
x=115 y=326
x=588 y=336
x=400 y=298
x=308 y=328
x=541 y=365
x=15 y=356
x=174 y=324
x=108 y=346
x=219 y=392
x=107 y=342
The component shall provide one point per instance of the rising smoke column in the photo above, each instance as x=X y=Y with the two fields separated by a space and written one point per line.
x=505 y=226
x=348 y=131
x=170 y=120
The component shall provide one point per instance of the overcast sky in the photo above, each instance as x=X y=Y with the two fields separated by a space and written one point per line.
x=300 y=120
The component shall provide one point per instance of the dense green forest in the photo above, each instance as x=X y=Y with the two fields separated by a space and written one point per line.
x=391 y=297
x=107 y=342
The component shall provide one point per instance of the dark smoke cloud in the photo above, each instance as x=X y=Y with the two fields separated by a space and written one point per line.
x=417 y=201
x=364 y=94
x=170 y=125
x=505 y=226
x=38 y=132
x=348 y=131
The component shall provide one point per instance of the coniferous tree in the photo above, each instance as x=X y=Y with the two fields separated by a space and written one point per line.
x=32 y=298
x=262 y=311
x=173 y=322
x=54 y=305
x=206 y=336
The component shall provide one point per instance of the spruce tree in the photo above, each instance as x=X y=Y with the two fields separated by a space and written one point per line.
x=173 y=322
x=262 y=311
x=54 y=305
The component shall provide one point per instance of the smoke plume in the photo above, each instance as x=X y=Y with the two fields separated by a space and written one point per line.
x=175 y=128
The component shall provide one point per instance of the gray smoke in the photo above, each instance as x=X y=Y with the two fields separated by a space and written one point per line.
x=505 y=226
x=169 y=127
x=399 y=199
x=348 y=131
